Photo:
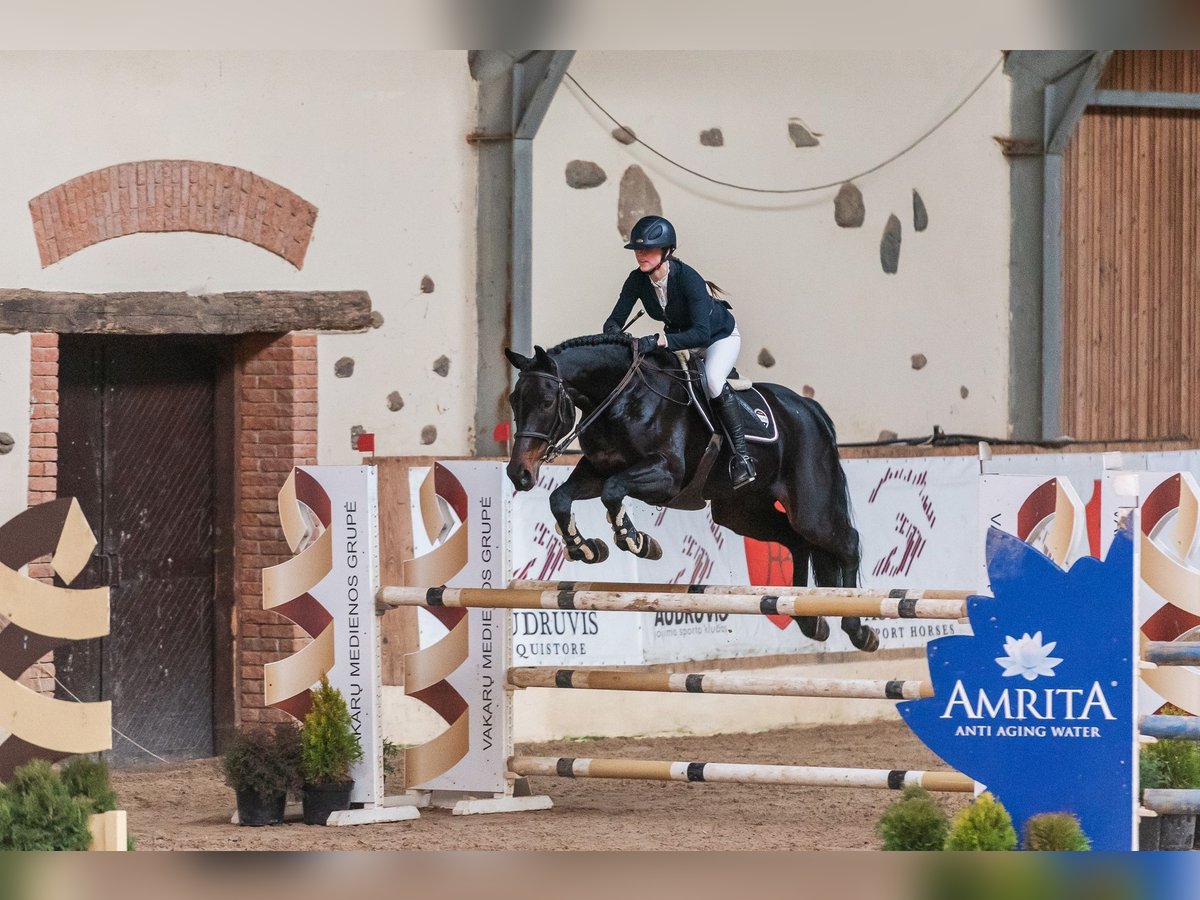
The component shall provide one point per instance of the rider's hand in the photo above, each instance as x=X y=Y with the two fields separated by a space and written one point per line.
x=662 y=340
x=647 y=343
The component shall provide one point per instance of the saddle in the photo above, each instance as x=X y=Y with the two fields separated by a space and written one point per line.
x=758 y=422
x=758 y=419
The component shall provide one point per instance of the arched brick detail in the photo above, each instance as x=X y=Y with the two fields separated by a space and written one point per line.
x=171 y=195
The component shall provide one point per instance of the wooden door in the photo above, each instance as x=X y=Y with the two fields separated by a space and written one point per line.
x=138 y=445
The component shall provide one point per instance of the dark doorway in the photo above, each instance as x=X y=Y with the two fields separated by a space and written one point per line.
x=145 y=444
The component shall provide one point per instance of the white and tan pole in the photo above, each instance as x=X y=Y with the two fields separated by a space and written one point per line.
x=738 y=773
x=843 y=602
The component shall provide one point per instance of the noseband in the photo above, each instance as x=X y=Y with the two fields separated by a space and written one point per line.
x=564 y=416
x=564 y=411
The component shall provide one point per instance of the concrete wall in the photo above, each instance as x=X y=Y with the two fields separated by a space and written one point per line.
x=811 y=293
x=374 y=140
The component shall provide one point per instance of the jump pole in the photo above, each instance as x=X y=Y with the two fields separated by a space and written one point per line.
x=775 y=591
x=844 y=602
x=718 y=683
x=738 y=773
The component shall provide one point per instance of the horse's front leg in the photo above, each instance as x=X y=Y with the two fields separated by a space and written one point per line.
x=653 y=480
x=583 y=483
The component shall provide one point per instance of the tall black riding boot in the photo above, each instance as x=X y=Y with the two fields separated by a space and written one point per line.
x=741 y=466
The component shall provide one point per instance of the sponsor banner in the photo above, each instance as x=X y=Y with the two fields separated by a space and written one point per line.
x=917 y=519
x=695 y=551
x=460 y=520
x=1035 y=705
x=347 y=594
x=1169 y=595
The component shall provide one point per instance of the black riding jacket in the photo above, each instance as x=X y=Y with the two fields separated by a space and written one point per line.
x=693 y=320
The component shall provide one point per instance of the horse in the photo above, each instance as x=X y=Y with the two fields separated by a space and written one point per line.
x=640 y=438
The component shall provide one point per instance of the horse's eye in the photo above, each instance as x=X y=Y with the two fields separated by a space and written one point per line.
x=547 y=403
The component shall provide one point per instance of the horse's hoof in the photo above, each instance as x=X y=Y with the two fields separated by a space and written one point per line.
x=592 y=550
x=864 y=638
x=651 y=549
x=813 y=627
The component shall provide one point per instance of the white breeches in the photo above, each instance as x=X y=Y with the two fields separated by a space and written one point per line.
x=719 y=359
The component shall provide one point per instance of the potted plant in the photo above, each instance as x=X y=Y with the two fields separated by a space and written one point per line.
x=262 y=765
x=1179 y=764
x=329 y=747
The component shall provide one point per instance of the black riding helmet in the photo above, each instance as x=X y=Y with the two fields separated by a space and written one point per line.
x=651 y=232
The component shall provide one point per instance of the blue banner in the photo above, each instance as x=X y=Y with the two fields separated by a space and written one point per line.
x=1038 y=704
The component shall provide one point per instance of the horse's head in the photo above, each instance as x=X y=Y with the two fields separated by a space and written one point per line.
x=542 y=411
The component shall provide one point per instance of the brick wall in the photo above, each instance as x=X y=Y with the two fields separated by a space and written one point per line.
x=277 y=425
x=171 y=195
x=43 y=468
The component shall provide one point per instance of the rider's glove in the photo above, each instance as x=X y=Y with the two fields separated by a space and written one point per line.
x=647 y=344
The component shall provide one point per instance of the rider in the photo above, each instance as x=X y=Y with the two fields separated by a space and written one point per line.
x=673 y=292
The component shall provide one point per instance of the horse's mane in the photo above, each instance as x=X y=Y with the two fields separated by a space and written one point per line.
x=591 y=340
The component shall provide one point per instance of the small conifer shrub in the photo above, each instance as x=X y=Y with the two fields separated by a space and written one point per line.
x=1055 y=832
x=328 y=742
x=984 y=825
x=914 y=822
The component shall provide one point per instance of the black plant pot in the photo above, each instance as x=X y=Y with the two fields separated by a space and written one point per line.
x=1178 y=832
x=322 y=799
x=254 y=811
x=1148 y=832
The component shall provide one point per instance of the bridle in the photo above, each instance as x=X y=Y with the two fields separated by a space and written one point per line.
x=564 y=410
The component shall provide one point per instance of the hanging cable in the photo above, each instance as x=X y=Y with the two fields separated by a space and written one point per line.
x=816 y=187
x=116 y=731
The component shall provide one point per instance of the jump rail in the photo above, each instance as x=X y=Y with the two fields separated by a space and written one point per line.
x=1172 y=802
x=1185 y=728
x=719 y=683
x=830 y=602
x=1172 y=653
x=774 y=591
x=738 y=773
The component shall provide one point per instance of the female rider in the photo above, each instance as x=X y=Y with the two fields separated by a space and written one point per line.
x=673 y=292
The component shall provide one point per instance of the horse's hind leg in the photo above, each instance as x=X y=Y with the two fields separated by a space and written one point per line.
x=768 y=524
x=584 y=483
x=832 y=571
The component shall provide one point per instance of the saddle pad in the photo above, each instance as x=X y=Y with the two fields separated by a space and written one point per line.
x=758 y=419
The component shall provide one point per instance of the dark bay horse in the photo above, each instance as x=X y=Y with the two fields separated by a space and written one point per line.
x=641 y=439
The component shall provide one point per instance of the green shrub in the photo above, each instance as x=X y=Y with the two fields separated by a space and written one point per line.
x=88 y=778
x=390 y=751
x=329 y=745
x=1178 y=760
x=39 y=814
x=1054 y=832
x=264 y=760
x=1151 y=773
x=984 y=825
x=914 y=822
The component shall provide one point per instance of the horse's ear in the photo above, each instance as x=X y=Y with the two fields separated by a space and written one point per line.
x=542 y=359
x=521 y=363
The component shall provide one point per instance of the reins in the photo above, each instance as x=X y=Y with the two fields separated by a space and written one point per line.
x=554 y=448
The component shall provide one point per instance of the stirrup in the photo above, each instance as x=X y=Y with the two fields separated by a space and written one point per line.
x=748 y=474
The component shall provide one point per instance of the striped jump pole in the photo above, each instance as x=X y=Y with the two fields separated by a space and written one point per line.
x=719 y=683
x=843 y=602
x=1182 y=728
x=1172 y=801
x=774 y=591
x=1172 y=653
x=738 y=773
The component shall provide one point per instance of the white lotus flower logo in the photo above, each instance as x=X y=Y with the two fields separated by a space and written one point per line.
x=1028 y=657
